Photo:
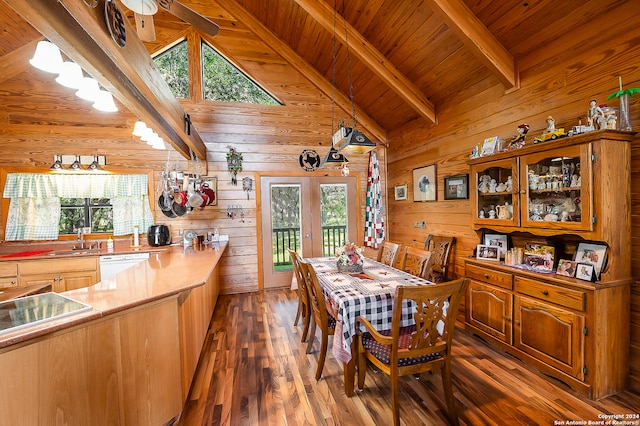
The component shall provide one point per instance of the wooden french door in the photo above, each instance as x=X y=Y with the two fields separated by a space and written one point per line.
x=308 y=214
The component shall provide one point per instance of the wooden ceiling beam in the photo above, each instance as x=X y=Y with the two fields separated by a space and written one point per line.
x=289 y=55
x=479 y=39
x=128 y=73
x=366 y=52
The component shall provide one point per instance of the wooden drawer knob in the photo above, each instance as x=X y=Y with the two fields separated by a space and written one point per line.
x=545 y=292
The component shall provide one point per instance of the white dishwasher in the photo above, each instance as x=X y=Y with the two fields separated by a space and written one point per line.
x=114 y=263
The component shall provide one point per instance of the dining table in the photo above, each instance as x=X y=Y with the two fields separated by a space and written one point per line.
x=369 y=294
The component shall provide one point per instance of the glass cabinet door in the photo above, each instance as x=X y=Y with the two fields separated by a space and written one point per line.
x=556 y=188
x=495 y=199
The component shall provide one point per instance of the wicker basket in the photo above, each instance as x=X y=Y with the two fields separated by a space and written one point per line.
x=349 y=269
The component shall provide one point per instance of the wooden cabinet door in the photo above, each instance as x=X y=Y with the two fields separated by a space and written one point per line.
x=490 y=197
x=8 y=282
x=489 y=309
x=73 y=280
x=49 y=279
x=553 y=335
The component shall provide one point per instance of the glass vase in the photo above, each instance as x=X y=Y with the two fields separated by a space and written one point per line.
x=625 y=123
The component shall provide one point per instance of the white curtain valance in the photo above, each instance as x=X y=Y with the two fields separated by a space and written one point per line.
x=34 y=185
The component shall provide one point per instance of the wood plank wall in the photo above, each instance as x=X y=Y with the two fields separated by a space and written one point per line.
x=559 y=80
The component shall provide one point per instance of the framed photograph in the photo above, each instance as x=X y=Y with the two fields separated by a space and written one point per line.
x=496 y=240
x=484 y=252
x=489 y=146
x=424 y=183
x=566 y=267
x=401 y=192
x=539 y=257
x=585 y=271
x=456 y=187
x=592 y=253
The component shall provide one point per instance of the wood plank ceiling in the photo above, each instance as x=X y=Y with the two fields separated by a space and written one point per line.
x=405 y=57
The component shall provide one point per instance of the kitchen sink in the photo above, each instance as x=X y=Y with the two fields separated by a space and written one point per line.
x=73 y=252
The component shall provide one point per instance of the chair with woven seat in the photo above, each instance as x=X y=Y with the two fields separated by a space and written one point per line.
x=321 y=317
x=388 y=252
x=422 y=347
x=436 y=269
x=304 y=310
x=414 y=260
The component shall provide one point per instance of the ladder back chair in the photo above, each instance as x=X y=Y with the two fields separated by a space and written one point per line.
x=388 y=252
x=423 y=347
x=414 y=260
x=304 y=310
x=437 y=268
x=321 y=317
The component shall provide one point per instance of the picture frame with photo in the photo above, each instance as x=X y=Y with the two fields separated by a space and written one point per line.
x=456 y=187
x=566 y=268
x=486 y=252
x=400 y=192
x=585 y=271
x=425 y=184
x=593 y=253
x=539 y=257
x=489 y=146
x=499 y=240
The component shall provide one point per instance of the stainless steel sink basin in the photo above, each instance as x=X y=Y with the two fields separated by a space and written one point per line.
x=71 y=252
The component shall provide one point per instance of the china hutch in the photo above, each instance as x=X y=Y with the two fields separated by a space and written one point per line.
x=558 y=194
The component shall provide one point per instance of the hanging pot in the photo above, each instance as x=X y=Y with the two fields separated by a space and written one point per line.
x=179 y=209
x=209 y=192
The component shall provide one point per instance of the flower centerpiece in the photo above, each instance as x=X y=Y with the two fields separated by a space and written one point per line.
x=350 y=258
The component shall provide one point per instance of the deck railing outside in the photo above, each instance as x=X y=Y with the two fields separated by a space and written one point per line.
x=284 y=238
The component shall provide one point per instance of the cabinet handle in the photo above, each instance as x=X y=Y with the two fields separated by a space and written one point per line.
x=518 y=323
x=507 y=319
x=486 y=276
x=545 y=292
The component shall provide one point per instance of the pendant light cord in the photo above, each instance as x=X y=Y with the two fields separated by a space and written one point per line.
x=346 y=45
x=333 y=69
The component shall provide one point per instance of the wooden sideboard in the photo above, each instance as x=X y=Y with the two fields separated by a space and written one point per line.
x=560 y=193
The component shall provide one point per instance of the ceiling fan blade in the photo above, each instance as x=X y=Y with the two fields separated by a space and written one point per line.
x=145 y=27
x=190 y=16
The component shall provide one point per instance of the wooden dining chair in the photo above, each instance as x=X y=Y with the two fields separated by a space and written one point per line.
x=304 y=310
x=436 y=269
x=322 y=319
x=388 y=252
x=414 y=260
x=425 y=346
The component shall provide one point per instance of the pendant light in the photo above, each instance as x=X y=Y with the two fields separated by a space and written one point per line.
x=104 y=102
x=95 y=165
x=70 y=75
x=346 y=139
x=76 y=166
x=47 y=57
x=57 y=164
x=89 y=89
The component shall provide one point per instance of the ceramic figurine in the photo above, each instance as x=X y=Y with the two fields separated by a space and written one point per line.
x=574 y=181
x=595 y=116
x=551 y=124
x=509 y=184
x=493 y=185
x=518 y=139
x=492 y=213
x=501 y=187
x=481 y=214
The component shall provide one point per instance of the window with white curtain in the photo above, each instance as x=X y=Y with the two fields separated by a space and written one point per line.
x=35 y=202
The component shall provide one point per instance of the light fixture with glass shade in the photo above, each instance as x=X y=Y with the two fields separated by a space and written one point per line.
x=346 y=138
x=70 y=75
x=95 y=165
x=89 y=89
x=57 y=164
x=76 y=166
x=104 y=102
x=47 y=57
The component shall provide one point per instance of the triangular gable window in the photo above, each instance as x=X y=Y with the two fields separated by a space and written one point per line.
x=174 y=67
x=224 y=82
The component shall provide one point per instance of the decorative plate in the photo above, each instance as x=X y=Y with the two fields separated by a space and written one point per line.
x=115 y=23
x=309 y=160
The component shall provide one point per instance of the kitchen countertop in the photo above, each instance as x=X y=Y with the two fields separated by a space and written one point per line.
x=168 y=271
x=14 y=252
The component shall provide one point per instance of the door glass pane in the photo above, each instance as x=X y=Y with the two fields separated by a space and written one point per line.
x=333 y=205
x=285 y=224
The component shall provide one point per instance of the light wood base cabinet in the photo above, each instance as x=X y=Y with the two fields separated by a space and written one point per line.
x=8 y=274
x=575 y=331
x=62 y=274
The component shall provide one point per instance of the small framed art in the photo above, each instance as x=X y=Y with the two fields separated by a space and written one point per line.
x=485 y=252
x=424 y=183
x=539 y=257
x=566 y=268
x=456 y=187
x=401 y=192
x=497 y=240
x=585 y=271
x=489 y=146
x=592 y=253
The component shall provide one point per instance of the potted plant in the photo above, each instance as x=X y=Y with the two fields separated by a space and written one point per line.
x=623 y=97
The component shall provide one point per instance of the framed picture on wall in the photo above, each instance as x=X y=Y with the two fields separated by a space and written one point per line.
x=401 y=192
x=424 y=183
x=456 y=187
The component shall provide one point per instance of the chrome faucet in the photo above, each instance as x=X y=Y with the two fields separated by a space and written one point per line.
x=80 y=240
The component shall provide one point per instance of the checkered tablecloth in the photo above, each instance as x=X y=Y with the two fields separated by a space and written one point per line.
x=369 y=294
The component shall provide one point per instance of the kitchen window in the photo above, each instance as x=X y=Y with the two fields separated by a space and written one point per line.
x=93 y=213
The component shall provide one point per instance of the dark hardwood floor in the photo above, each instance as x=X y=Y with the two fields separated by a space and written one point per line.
x=254 y=371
